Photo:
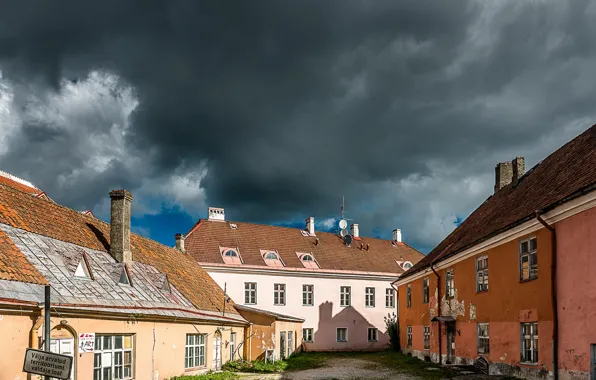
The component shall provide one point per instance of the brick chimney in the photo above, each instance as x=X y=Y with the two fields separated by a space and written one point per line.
x=120 y=226
x=180 y=242
x=310 y=225
x=503 y=175
x=519 y=168
x=354 y=230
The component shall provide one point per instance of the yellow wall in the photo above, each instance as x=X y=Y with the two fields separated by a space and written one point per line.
x=167 y=358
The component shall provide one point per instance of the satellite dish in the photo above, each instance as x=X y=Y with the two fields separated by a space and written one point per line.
x=343 y=233
x=343 y=224
x=348 y=239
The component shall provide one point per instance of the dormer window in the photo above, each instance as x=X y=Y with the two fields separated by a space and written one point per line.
x=308 y=260
x=272 y=258
x=124 y=277
x=230 y=255
x=82 y=270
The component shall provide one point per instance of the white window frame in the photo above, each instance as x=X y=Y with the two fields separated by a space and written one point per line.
x=482 y=274
x=308 y=295
x=426 y=337
x=369 y=297
x=345 y=337
x=375 y=334
x=250 y=293
x=390 y=297
x=425 y=290
x=483 y=337
x=532 y=337
x=279 y=294
x=233 y=346
x=345 y=296
x=307 y=335
x=101 y=353
x=449 y=284
x=409 y=335
x=529 y=255
x=195 y=351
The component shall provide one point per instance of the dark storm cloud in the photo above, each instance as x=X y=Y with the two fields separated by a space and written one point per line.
x=292 y=104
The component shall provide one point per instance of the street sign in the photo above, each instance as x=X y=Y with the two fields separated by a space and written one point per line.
x=86 y=342
x=47 y=363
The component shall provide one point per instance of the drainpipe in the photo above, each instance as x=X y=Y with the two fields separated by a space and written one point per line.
x=397 y=309
x=34 y=332
x=438 y=309
x=553 y=281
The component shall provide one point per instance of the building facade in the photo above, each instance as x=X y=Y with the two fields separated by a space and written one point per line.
x=514 y=282
x=123 y=306
x=341 y=287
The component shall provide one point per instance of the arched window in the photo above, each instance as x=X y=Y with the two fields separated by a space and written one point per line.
x=307 y=258
x=231 y=253
x=271 y=256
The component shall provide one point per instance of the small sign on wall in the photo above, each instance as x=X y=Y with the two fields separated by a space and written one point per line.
x=86 y=342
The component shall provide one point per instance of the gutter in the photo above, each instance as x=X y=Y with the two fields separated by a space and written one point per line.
x=439 y=309
x=553 y=281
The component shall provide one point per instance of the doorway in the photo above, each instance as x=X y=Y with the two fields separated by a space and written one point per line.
x=593 y=362
x=216 y=364
x=282 y=345
x=450 y=343
x=290 y=343
x=64 y=346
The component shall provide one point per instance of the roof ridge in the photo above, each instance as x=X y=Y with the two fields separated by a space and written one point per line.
x=18 y=179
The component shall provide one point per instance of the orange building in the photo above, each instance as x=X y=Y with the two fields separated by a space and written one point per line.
x=492 y=288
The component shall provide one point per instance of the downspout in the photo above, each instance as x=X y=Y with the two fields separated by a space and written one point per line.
x=397 y=309
x=553 y=281
x=438 y=310
x=34 y=333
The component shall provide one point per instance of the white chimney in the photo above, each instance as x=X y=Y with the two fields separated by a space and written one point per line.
x=354 y=230
x=310 y=225
x=180 y=242
x=216 y=213
x=397 y=235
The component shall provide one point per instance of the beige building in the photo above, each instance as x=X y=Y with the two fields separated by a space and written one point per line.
x=123 y=306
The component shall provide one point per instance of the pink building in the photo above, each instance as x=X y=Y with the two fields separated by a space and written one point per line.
x=340 y=286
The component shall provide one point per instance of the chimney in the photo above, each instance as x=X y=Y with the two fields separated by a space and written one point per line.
x=519 y=168
x=354 y=230
x=503 y=175
x=397 y=235
x=180 y=242
x=120 y=226
x=216 y=213
x=310 y=225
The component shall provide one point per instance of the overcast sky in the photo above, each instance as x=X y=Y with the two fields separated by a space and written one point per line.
x=276 y=109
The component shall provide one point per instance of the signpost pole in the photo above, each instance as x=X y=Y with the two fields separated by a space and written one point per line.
x=46 y=321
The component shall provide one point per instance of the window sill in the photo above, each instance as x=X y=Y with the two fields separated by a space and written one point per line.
x=341 y=341
x=529 y=364
x=481 y=291
x=308 y=305
x=345 y=305
x=369 y=307
x=373 y=341
x=192 y=369
x=528 y=280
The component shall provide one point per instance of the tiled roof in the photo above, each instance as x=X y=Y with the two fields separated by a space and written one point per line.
x=24 y=212
x=568 y=172
x=206 y=238
x=277 y=316
x=18 y=183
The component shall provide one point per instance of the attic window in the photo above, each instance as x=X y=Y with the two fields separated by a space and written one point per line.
x=272 y=258
x=308 y=260
x=233 y=226
x=230 y=255
x=407 y=265
x=124 y=280
x=165 y=287
x=304 y=233
x=83 y=271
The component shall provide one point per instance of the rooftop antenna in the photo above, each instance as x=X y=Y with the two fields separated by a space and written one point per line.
x=343 y=222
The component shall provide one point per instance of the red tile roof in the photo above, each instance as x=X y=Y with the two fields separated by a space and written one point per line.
x=17 y=183
x=207 y=236
x=20 y=210
x=565 y=174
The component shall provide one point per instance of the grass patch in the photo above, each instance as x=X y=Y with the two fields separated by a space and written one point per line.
x=256 y=366
x=307 y=360
x=208 y=376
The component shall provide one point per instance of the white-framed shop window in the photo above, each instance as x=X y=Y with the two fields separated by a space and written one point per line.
x=194 y=354
x=112 y=358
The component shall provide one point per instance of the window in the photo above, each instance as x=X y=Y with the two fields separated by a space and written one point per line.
x=307 y=335
x=529 y=342
x=369 y=297
x=425 y=290
x=373 y=334
x=233 y=346
x=342 y=334
x=194 y=355
x=528 y=259
x=308 y=295
x=230 y=255
x=427 y=337
x=112 y=358
x=449 y=284
x=272 y=259
x=482 y=274
x=345 y=296
x=82 y=270
x=389 y=297
x=409 y=333
x=308 y=260
x=279 y=294
x=483 y=339
x=271 y=256
x=124 y=278
x=250 y=293
x=409 y=296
